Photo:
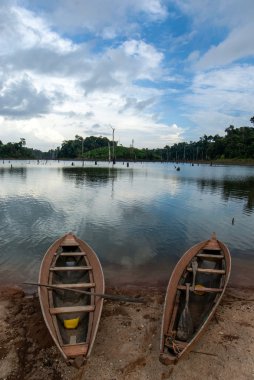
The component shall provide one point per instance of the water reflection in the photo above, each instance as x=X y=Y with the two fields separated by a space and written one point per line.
x=139 y=220
x=13 y=171
x=91 y=174
x=242 y=189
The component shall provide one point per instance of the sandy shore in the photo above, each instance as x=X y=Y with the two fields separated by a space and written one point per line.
x=127 y=343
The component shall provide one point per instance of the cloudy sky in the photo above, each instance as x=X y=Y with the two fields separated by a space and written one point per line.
x=158 y=71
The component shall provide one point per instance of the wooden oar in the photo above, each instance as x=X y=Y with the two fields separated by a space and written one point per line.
x=185 y=325
x=194 y=265
x=112 y=297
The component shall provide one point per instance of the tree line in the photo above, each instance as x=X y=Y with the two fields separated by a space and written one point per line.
x=15 y=150
x=18 y=151
x=238 y=143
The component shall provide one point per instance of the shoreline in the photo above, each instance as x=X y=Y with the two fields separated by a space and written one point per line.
x=218 y=162
x=127 y=342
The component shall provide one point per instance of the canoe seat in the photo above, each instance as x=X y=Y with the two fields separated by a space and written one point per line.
x=76 y=268
x=206 y=270
x=203 y=289
x=71 y=350
x=79 y=285
x=71 y=254
x=210 y=256
x=71 y=309
x=211 y=248
x=69 y=243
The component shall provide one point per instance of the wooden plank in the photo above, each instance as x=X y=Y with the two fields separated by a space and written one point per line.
x=81 y=285
x=58 y=334
x=211 y=248
x=206 y=270
x=173 y=317
x=77 y=268
x=71 y=350
x=71 y=309
x=71 y=254
x=69 y=243
x=210 y=256
x=203 y=289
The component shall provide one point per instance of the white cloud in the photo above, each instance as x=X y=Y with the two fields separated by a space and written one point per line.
x=107 y=18
x=145 y=54
x=122 y=66
x=230 y=88
x=221 y=97
x=231 y=20
x=227 y=13
x=174 y=135
x=21 y=29
x=45 y=74
x=72 y=68
x=20 y=99
x=238 y=44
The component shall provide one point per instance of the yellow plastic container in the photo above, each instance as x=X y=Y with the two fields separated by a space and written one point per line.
x=199 y=290
x=71 y=323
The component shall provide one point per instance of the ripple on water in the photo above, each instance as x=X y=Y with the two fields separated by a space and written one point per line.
x=140 y=219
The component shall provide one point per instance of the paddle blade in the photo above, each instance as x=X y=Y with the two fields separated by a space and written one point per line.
x=185 y=325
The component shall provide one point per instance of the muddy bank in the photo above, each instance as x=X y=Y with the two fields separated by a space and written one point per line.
x=127 y=343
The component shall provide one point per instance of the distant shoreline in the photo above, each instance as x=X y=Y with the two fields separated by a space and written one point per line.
x=240 y=162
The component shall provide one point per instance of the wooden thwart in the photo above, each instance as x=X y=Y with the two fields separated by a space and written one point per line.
x=203 y=289
x=71 y=309
x=77 y=268
x=69 y=243
x=82 y=285
x=211 y=248
x=206 y=270
x=71 y=254
x=210 y=256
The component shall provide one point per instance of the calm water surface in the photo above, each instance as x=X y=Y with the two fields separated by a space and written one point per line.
x=139 y=219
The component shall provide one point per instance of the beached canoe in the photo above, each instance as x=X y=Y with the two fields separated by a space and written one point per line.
x=194 y=291
x=72 y=318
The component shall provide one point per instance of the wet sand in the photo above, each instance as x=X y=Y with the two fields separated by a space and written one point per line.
x=127 y=343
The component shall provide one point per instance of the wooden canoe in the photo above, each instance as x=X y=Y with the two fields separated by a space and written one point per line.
x=194 y=291
x=71 y=318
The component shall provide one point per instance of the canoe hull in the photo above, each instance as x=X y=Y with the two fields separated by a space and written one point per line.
x=206 y=268
x=72 y=319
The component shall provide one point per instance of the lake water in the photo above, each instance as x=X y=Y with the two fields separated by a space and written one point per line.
x=139 y=219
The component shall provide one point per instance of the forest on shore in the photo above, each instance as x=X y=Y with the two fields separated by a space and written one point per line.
x=237 y=144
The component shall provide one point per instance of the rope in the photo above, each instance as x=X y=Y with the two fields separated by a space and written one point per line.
x=171 y=343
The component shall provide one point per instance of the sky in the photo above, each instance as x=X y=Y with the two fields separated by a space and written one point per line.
x=157 y=72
